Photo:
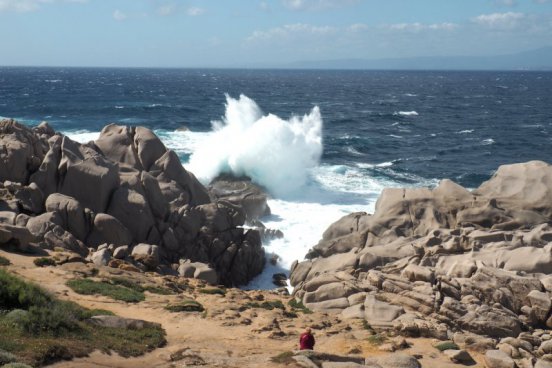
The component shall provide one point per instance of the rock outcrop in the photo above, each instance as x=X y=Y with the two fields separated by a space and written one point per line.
x=444 y=262
x=124 y=189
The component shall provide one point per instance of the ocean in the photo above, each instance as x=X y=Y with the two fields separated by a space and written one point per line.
x=324 y=143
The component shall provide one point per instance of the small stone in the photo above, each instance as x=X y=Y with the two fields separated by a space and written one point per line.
x=389 y=347
x=121 y=252
x=458 y=356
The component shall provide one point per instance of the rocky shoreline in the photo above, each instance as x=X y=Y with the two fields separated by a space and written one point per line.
x=470 y=267
x=123 y=200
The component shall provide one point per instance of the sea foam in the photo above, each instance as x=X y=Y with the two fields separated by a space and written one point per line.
x=273 y=152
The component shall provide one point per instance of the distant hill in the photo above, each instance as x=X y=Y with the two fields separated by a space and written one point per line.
x=539 y=59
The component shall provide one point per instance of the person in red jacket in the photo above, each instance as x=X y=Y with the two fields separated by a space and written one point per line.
x=306 y=340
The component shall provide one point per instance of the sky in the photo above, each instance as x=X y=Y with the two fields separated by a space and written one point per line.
x=248 y=33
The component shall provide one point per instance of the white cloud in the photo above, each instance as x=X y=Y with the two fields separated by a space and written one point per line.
x=119 y=15
x=316 y=4
x=357 y=27
x=166 y=9
x=290 y=30
x=24 y=6
x=507 y=20
x=418 y=27
x=195 y=11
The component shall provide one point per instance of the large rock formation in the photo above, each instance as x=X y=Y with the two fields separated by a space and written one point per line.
x=444 y=262
x=123 y=189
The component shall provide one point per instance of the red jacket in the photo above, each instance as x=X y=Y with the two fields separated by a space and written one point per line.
x=306 y=341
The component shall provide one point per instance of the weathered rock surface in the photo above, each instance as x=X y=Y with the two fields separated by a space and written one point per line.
x=123 y=189
x=435 y=262
x=241 y=192
x=120 y=322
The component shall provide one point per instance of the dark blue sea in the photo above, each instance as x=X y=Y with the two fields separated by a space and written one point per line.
x=332 y=139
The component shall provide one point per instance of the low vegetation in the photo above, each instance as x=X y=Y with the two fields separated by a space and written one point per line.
x=446 y=345
x=117 y=292
x=38 y=329
x=133 y=285
x=269 y=305
x=377 y=339
x=213 y=291
x=185 y=306
x=44 y=261
x=298 y=306
x=4 y=261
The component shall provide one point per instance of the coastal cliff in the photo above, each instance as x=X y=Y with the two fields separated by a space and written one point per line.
x=124 y=200
x=470 y=266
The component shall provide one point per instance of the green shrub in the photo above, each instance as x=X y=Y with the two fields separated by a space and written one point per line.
x=44 y=261
x=185 y=306
x=6 y=357
x=299 y=306
x=17 y=294
x=376 y=339
x=446 y=345
x=366 y=325
x=42 y=330
x=159 y=290
x=213 y=291
x=269 y=305
x=131 y=284
x=290 y=314
x=90 y=287
x=16 y=365
x=16 y=316
x=54 y=319
x=97 y=312
x=4 y=261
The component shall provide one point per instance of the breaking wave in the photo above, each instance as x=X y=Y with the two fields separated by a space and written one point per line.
x=273 y=152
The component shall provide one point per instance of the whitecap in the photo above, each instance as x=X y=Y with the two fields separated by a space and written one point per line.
x=467 y=131
x=82 y=136
x=354 y=151
x=487 y=142
x=406 y=113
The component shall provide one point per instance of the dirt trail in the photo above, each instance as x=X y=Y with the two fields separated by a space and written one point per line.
x=223 y=337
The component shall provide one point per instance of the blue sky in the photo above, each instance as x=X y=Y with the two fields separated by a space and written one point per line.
x=211 y=33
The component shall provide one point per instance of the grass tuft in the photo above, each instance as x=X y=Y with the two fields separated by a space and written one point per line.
x=376 y=339
x=133 y=285
x=268 y=305
x=16 y=365
x=446 y=345
x=298 y=306
x=213 y=291
x=4 y=261
x=44 y=261
x=6 y=357
x=185 y=306
x=117 y=292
